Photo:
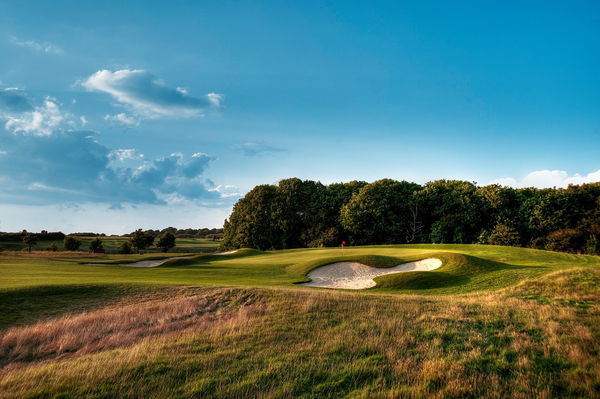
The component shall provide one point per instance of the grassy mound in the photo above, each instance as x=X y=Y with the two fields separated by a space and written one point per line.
x=524 y=341
x=456 y=270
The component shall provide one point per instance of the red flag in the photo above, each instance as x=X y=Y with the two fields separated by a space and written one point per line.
x=343 y=242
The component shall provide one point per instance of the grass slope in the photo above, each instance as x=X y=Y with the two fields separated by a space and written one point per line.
x=491 y=322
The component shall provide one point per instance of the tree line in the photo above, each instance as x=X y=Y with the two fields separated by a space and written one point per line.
x=298 y=213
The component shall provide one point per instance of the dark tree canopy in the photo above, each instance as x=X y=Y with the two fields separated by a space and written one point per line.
x=303 y=213
x=71 y=243
x=141 y=240
x=30 y=240
x=166 y=241
x=96 y=245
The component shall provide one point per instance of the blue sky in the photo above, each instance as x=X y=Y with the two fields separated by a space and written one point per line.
x=117 y=115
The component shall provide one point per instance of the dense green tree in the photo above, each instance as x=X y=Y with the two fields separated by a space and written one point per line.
x=252 y=222
x=166 y=241
x=381 y=212
x=453 y=210
x=300 y=213
x=141 y=240
x=71 y=243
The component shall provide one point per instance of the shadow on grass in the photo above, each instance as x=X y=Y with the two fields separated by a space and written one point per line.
x=26 y=305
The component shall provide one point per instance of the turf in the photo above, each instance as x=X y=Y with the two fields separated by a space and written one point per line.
x=491 y=322
x=466 y=268
x=112 y=243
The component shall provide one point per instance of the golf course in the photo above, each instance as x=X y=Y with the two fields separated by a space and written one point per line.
x=480 y=321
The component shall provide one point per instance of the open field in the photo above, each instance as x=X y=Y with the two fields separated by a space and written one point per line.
x=490 y=322
x=112 y=243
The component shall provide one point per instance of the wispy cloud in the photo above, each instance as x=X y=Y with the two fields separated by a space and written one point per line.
x=40 y=47
x=549 y=178
x=149 y=97
x=257 y=149
x=123 y=119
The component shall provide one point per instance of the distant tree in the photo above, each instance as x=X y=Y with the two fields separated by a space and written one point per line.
x=71 y=243
x=125 y=247
x=503 y=235
x=30 y=240
x=141 y=240
x=166 y=241
x=53 y=247
x=96 y=246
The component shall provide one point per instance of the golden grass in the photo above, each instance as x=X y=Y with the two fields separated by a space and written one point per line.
x=116 y=326
x=536 y=340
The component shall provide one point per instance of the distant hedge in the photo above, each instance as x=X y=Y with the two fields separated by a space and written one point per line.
x=303 y=213
x=42 y=236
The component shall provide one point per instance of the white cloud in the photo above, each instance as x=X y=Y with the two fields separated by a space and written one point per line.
x=42 y=121
x=149 y=97
x=123 y=118
x=40 y=47
x=125 y=154
x=549 y=178
x=227 y=191
x=257 y=149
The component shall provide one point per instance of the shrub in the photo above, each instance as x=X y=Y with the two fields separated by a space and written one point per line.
x=53 y=247
x=125 y=248
x=504 y=235
x=566 y=240
x=592 y=246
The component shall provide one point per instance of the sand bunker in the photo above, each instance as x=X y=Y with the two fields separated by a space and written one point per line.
x=357 y=276
x=142 y=263
x=226 y=252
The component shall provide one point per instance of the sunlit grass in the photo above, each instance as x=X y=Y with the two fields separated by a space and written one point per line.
x=491 y=322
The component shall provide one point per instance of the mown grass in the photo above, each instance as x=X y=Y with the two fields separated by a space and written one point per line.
x=112 y=243
x=467 y=268
x=491 y=322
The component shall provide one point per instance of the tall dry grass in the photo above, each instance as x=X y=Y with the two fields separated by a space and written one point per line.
x=121 y=326
x=536 y=340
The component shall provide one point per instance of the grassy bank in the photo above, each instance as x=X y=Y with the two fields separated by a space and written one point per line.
x=491 y=322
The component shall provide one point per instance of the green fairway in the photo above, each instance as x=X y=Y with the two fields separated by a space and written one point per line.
x=465 y=268
x=111 y=244
x=490 y=322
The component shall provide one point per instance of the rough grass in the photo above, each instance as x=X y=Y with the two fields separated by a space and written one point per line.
x=533 y=340
x=492 y=322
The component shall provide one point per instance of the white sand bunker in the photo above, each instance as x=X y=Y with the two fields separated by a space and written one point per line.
x=141 y=263
x=226 y=252
x=357 y=276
